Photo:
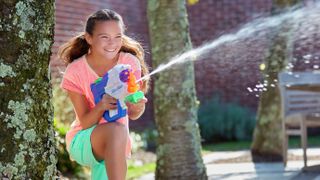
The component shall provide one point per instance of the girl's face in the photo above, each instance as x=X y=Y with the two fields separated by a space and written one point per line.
x=106 y=39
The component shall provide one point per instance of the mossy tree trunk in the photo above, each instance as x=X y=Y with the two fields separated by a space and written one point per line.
x=175 y=102
x=27 y=148
x=267 y=140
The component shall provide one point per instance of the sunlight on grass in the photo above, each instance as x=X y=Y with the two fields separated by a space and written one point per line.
x=294 y=142
x=313 y=141
x=226 y=146
x=137 y=171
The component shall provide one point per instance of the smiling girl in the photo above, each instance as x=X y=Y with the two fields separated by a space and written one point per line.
x=92 y=141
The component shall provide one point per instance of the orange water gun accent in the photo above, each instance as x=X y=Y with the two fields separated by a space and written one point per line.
x=132 y=85
x=133 y=88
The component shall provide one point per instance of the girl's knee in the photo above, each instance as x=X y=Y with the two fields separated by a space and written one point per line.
x=117 y=133
x=120 y=131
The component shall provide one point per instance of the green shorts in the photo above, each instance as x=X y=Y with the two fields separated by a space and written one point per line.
x=81 y=152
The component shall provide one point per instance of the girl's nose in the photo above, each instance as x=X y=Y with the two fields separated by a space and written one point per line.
x=113 y=40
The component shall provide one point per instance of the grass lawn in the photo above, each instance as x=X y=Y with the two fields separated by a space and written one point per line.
x=294 y=142
x=137 y=171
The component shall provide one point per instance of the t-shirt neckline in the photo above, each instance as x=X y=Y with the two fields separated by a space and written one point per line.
x=92 y=71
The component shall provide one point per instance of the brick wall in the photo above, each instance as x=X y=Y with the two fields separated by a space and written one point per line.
x=227 y=70
x=230 y=69
x=71 y=17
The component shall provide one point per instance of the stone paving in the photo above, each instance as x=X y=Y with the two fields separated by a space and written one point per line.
x=249 y=170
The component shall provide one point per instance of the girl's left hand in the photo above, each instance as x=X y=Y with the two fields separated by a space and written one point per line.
x=136 y=110
x=141 y=103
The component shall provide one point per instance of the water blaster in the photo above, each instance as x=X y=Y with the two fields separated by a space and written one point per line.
x=120 y=83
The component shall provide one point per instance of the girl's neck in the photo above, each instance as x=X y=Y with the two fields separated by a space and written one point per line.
x=101 y=65
x=100 y=61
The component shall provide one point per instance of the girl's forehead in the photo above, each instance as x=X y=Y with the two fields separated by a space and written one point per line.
x=107 y=27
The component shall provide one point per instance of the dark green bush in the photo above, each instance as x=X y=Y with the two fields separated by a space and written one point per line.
x=220 y=121
x=150 y=137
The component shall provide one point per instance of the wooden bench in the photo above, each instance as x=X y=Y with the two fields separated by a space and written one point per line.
x=300 y=100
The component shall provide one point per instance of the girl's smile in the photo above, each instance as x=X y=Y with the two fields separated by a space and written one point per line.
x=106 y=39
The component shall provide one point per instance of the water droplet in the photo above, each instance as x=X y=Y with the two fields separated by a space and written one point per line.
x=262 y=66
x=259 y=86
x=308 y=56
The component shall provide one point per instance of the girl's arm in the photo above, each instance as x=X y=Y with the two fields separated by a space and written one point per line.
x=91 y=117
x=136 y=110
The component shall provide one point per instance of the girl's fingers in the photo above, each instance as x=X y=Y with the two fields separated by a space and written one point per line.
x=139 y=103
x=109 y=98
x=113 y=107
x=143 y=100
x=109 y=102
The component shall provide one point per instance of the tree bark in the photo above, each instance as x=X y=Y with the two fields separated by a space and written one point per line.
x=175 y=102
x=267 y=139
x=26 y=117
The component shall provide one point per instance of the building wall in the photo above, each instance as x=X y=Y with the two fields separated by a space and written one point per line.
x=71 y=16
x=228 y=70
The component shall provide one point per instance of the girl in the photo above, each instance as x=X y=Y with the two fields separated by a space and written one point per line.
x=92 y=141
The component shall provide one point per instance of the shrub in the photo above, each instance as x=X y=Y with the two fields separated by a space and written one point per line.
x=145 y=140
x=225 y=121
x=63 y=109
x=150 y=137
x=137 y=141
x=65 y=165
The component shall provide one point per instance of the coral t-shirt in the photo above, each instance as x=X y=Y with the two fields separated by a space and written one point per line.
x=78 y=77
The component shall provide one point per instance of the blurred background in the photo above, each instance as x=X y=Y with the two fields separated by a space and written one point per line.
x=228 y=78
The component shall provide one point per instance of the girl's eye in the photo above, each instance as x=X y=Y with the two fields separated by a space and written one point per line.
x=105 y=37
x=118 y=36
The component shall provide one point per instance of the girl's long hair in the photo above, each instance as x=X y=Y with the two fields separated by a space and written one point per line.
x=78 y=46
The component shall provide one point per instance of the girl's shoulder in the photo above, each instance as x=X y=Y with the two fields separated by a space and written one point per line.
x=128 y=58
x=77 y=62
x=75 y=66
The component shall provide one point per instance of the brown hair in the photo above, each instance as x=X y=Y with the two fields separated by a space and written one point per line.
x=78 y=46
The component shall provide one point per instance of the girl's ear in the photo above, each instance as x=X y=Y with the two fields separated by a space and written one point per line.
x=88 y=38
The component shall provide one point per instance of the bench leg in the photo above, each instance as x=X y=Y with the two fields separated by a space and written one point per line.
x=304 y=144
x=285 y=147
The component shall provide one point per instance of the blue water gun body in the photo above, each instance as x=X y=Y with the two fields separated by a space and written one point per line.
x=98 y=91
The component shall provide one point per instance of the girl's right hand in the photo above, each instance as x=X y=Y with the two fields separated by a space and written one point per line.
x=107 y=103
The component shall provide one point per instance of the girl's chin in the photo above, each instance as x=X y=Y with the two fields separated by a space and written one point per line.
x=110 y=55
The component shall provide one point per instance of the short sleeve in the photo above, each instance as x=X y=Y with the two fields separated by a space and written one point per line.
x=71 y=80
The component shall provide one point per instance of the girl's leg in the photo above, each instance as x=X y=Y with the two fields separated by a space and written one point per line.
x=109 y=144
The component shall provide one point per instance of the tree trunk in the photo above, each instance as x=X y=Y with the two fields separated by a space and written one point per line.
x=267 y=140
x=175 y=103
x=26 y=118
